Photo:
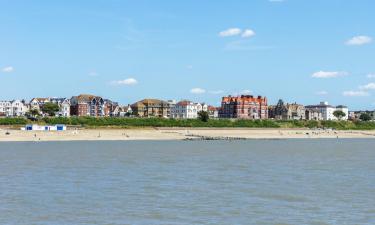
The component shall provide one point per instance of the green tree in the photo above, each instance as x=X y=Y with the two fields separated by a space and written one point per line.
x=34 y=112
x=203 y=116
x=365 y=117
x=339 y=114
x=50 y=108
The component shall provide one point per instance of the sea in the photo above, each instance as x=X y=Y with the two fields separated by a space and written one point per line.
x=276 y=182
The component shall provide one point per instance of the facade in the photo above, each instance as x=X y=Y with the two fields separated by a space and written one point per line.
x=244 y=107
x=110 y=107
x=13 y=108
x=187 y=110
x=313 y=114
x=287 y=111
x=37 y=103
x=64 y=106
x=213 y=112
x=35 y=127
x=151 y=108
x=88 y=105
x=327 y=110
x=123 y=111
x=355 y=115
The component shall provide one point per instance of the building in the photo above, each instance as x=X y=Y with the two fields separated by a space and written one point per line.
x=213 y=112
x=327 y=110
x=355 y=115
x=35 y=127
x=88 y=105
x=13 y=108
x=151 y=108
x=64 y=106
x=37 y=103
x=187 y=110
x=123 y=111
x=110 y=107
x=244 y=107
x=313 y=114
x=287 y=111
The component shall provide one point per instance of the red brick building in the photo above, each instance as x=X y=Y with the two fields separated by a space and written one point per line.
x=244 y=107
x=90 y=105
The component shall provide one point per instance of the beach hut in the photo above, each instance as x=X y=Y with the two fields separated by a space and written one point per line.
x=35 y=127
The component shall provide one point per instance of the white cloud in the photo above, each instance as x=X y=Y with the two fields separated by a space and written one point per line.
x=8 y=69
x=369 y=86
x=197 y=91
x=359 y=40
x=248 y=33
x=327 y=74
x=216 y=92
x=321 y=93
x=371 y=75
x=355 y=93
x=129 y=81
x=230 y=32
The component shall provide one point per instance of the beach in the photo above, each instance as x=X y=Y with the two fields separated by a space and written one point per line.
x=177 y=134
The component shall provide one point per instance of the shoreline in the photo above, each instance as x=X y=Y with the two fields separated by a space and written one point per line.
x=180 y=134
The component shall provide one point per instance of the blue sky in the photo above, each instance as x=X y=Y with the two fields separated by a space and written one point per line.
x=299 y=50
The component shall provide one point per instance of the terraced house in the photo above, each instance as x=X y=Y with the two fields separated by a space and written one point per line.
x=91 y=105
x=244 y=107
x=13 y=108
x=151 y=108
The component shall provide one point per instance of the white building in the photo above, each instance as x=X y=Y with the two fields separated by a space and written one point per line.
x=13 y=108
x=122 y=111
x=328 y=110
x=35 y=127
x=64 y=106
x=187 y=110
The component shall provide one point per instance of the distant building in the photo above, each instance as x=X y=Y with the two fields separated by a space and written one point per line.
x=287 y=111
x=171 y=103
x=38 y=103
x=244 y=107
x=13 y=108
x=123 y=111
x=35 y=127
x=87 y=105
x=355 y=115
x=313 y=114
x=151 y=108
x=64 y=106
x=187 y=110
x=109 y=108
x=328 y=110
x=213 y=112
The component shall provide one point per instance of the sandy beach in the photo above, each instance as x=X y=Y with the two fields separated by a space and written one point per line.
x=176 y=134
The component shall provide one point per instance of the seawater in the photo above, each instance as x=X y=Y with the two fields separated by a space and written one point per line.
x=315 y=182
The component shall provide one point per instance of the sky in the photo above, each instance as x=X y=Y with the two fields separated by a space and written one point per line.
x=301 y=51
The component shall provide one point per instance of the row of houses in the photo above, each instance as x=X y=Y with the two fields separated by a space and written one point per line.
x=294 y=111
x=232 y=107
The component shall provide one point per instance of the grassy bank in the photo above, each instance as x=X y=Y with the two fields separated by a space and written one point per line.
x=222 y=123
